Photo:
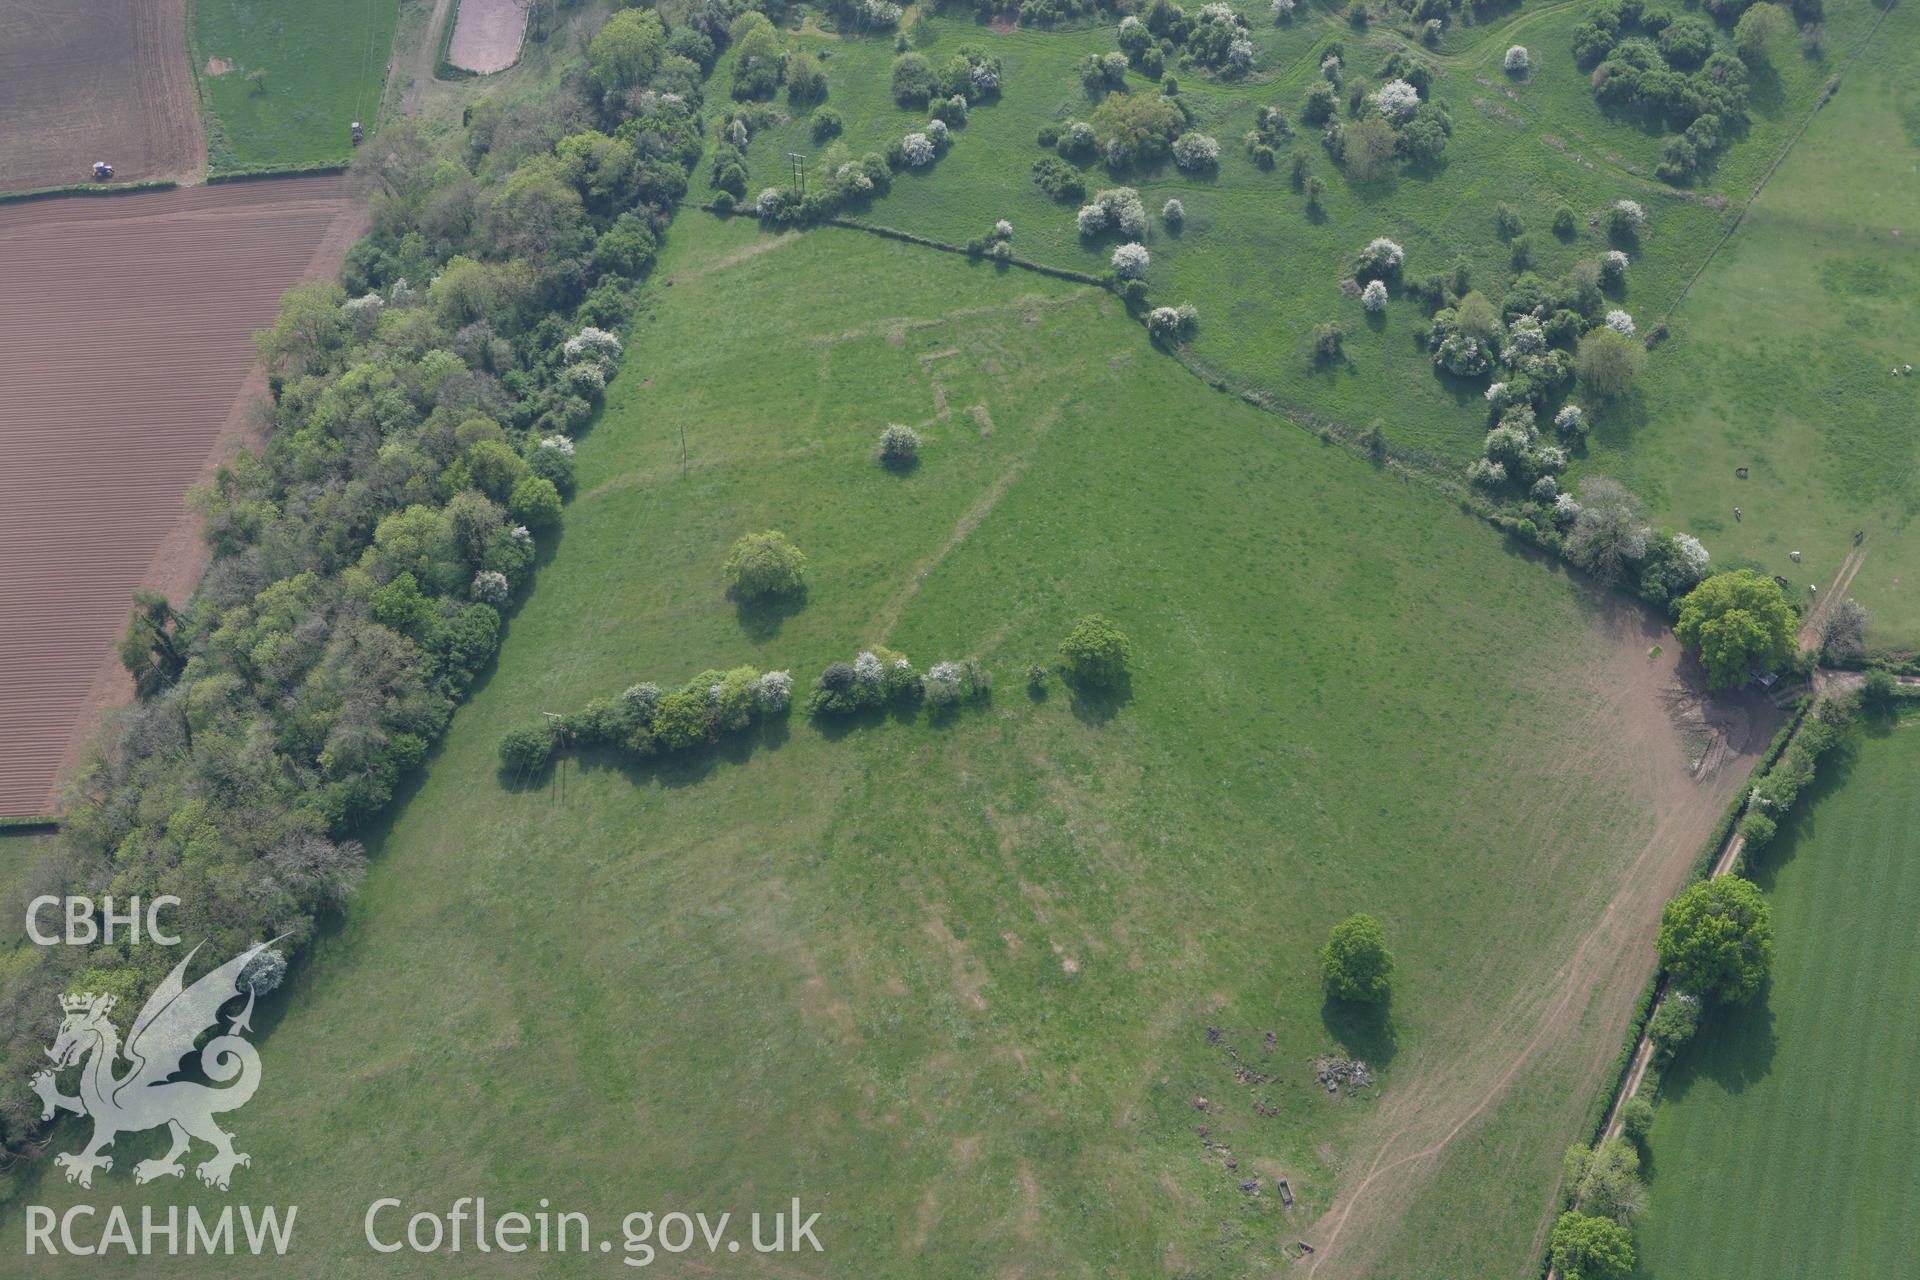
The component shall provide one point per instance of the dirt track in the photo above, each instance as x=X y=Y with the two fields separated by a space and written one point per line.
x=1813 y=629
x=127 y=323
x=86 y=80
x=1572 y=1016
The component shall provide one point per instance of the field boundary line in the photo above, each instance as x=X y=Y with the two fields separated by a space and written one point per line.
x=1723 y=851
x=1413 y=463
x=89 y=189
x=1827 y=91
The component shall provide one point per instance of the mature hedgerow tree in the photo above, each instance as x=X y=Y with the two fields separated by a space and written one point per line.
x=1716 y=939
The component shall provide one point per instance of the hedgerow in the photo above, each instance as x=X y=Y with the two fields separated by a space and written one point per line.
x=363 y=560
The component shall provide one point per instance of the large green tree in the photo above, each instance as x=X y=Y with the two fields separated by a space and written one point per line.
x=1736 y=621
x=148 y=649
x=1605 y=1180
x=1096 y=653
x=765 y=564
x=1716 y=939
x=1356 y=962
x=1607 y=363
x=625 y=51
x=1141 y=124
x=1587 y=1248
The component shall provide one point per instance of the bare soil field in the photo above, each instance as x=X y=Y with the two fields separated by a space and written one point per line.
x=487 y=34
x=86 y=80
x=127 y=323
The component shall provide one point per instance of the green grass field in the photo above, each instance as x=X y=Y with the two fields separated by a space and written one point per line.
x=1786 y=1142
x=1781 y=359
x=297 y=75
x=952 y=983
x=1262 y=270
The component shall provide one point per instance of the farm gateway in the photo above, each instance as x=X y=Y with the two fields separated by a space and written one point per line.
x=84 y=1231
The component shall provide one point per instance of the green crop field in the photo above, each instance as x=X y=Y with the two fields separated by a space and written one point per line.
x=953 y=983
x=1782 y=359
x=282 y=79
x=1786 y=1143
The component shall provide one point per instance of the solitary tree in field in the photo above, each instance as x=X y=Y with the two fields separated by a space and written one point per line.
x=1356 y=962
x=1096 y=653
x=1587 y=1248
x=148 y=649
x=1716 y=939
x=1736 y=621
x=765 y=564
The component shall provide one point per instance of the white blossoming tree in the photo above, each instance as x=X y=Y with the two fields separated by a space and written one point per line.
x=1693 y=553
x=1396 y=100
x=1374 y=296
x=1196 y=151
x=1516 y=61
x=1381 y=256
x=1169 y=323
x=1130 y=261
x=1620 y=322
x=773 y=691
x=1118 y=208
x=489 y=587
x=899 y=446
x=592 y=344
x=943 y=684
x=917 y=150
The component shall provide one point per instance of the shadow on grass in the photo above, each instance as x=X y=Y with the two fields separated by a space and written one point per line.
x=1733 y=1049
x=1363 y=1031
x=1095 y=705
x=763 y=616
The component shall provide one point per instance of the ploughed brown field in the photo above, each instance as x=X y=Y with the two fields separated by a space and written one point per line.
x=86 y=80
x=129 y=371
x=487 y=34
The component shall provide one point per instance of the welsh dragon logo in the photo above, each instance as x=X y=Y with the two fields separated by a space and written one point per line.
x=145 y=1096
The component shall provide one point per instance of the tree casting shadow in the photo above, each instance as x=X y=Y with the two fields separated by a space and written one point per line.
x=1363 y=1031
x=763 y=616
